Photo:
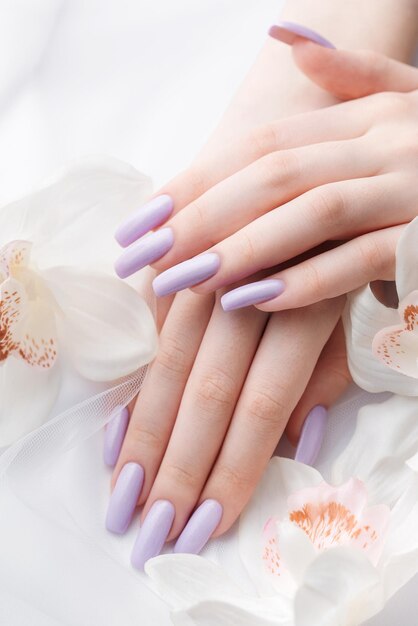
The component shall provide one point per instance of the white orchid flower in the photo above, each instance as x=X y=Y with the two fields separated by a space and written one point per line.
x=316 y=553
x=382 y=343
x=59 y=299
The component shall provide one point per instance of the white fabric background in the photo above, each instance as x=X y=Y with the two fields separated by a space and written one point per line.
x=145 y=81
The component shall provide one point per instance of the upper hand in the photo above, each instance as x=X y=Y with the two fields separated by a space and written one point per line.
x=298 y=183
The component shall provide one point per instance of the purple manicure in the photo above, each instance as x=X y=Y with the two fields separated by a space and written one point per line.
x=143 y=252
x=186 y=274
x=313 y=431
x=253 y=293
x=124 y=498
x=153 y=533
x=144 y=219
x=199 y=528
x=288 y=31
x=114 y=435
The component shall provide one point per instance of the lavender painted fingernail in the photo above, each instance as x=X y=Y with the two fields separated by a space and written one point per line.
x=153 y=533
x=124 y=498
x=200 y=527
x=312 y=435
x=186 y=274
x=114 y=435
x=143 y=252
x=144 y=219
x=253 y=293
x=288 y=31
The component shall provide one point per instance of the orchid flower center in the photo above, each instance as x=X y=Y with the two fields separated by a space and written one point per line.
x=27 y=320
x=329 y=516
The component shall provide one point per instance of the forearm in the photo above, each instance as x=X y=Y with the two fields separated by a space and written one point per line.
x=275 y=88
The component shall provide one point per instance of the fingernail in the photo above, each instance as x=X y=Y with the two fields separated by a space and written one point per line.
x=288 y=31
x=144 y=219
x=199 y=528
x=153 y=533
x=114 y=435
x=186 y=274
x=253 y=293
x=124 y=498
x=312 y=435
x=143 y=252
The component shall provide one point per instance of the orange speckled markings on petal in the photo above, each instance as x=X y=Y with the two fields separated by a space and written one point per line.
x=41 y=353
x=14 y=254
x=271 y=556
x=410 y=315
x=9 y=317
x=331 y=523
x=27 y=329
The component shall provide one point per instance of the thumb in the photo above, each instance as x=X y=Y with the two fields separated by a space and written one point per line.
x=352 y=74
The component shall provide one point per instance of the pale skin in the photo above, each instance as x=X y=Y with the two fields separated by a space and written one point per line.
x=224 y=385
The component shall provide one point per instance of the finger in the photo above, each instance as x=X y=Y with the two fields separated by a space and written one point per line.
x=255 y=190
x=332 y=124
x=329 y=380
x=334 y=211
x=349 y=74
x=157 y=405
x=335 y=272
x=206 y=408
x=279 y=373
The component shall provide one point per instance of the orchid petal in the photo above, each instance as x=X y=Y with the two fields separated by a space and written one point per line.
x=184 y=579
x=363 y=319
x=27 y=397
x=341 y=588
x=392 y=427
x=401 y=553
x=245 y=612
x=407 y=260
x=104 y=324
x=281 y=478
x=72 y=219
x=397 y=346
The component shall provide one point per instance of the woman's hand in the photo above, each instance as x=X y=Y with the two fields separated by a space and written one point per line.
x=343 y=173
x=216 y=401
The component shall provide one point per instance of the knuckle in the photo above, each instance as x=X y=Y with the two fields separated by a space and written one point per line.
x=373 y=256
x=141 y=435
x=248 y=249
x=313 y=280
x=232 y=479
x=262 y=140
x=182 y=475
x=280 y=166
x=197 y=180
x=265 y=410
x=172 y=358
x=328 y=207
x=216 y=390
x=392 y=103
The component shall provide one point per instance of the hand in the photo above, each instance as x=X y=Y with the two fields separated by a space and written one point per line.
x=203 y=394
x=330 y=178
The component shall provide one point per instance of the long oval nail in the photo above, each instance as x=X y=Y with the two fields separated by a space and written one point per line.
x=144 y=219
x=288 y=31
x=143 y=252
x=199 y=528
x=114 y=435
x=186 y=274
x=312 y=435
x=124 y=498
x=253 y=293
x=153 y=533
